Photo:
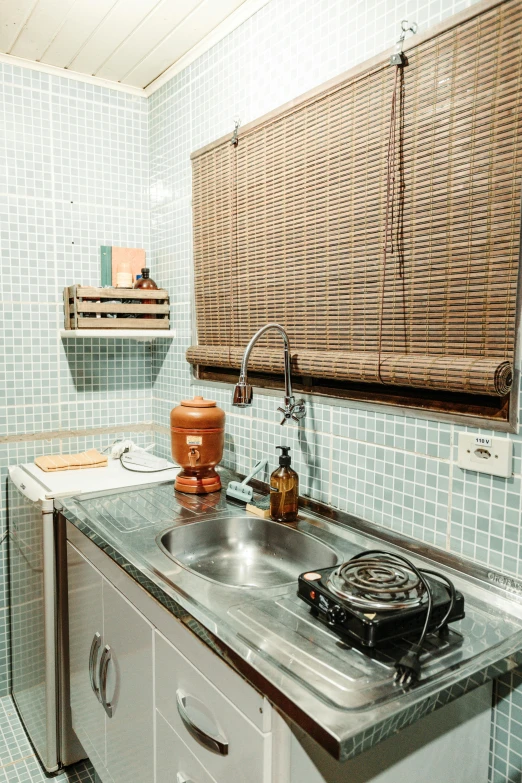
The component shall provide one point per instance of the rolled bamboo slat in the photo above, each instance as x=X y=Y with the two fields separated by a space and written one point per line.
x=450 y=373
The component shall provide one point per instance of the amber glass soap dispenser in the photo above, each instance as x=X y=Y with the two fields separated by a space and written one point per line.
x=284 y=490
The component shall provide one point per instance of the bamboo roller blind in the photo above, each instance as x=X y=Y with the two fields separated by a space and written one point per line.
x=289 y=224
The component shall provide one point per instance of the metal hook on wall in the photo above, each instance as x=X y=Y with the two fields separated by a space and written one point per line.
x=235 y=139
x=409 y=27
x=406 y=27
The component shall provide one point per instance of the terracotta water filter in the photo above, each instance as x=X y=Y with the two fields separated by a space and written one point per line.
x=197 y=431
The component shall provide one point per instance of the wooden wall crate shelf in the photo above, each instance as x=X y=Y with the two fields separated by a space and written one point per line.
x=86 y=307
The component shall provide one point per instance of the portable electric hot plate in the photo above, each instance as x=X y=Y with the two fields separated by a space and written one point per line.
x=378 y=596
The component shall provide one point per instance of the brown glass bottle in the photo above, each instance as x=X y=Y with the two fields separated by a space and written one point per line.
x=146 y=282
x=284 y=490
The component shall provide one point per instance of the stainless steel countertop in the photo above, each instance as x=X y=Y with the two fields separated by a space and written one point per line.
x=344 y=699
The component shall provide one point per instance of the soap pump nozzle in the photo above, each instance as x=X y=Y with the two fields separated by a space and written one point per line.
x=284 y=458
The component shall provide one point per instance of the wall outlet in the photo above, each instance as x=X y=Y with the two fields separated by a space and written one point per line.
x=485 y=454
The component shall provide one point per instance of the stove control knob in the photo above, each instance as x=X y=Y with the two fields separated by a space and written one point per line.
x=335 y=614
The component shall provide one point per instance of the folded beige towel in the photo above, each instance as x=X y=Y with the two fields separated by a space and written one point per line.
x=87 y=459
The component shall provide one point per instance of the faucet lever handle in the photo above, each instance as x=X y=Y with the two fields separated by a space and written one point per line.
x=298 y=410
x=283 y=411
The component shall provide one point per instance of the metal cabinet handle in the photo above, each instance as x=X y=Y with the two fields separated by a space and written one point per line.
x=95 y=647
x=104 y=666
x=215 y=744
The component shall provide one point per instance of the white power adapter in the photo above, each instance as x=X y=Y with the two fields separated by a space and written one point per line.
x=120 y=447
x=137 y=459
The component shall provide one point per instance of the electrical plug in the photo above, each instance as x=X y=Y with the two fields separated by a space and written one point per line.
x=407 y=670
x=121 y=447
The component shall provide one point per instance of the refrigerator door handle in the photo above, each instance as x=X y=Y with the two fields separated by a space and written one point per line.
x=93 y=655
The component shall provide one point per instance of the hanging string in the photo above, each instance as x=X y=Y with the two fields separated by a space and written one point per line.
x=398 y=61
x=389 y=201
x=234 y=142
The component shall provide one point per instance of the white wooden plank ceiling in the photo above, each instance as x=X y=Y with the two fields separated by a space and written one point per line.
x=127 y=41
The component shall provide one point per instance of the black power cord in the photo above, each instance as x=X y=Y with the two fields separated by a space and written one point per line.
x=407 y=669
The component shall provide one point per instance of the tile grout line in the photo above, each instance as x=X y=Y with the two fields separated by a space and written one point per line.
x=18 y=761
x=59 y=344
x=61 y=201
x=81 y=433
x=450 y=491
x=65 y=94
x=330 y=461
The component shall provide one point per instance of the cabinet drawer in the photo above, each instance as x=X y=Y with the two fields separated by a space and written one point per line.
x=174 y=761
x=226 y=743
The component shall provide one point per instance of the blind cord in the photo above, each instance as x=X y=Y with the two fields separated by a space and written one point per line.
x=390 y=194
x=398 y=61
x=234 y=141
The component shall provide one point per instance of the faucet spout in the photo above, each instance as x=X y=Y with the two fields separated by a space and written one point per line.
x=243 y=390
x=242 y=394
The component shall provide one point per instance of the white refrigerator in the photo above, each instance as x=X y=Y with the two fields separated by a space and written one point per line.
x=38 y=598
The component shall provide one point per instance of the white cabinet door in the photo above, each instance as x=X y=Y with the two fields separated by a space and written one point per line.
x=85 y=635
x=129 y=691
x=111 y=664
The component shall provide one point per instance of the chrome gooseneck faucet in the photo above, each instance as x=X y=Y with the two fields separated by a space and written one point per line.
x=243 y=391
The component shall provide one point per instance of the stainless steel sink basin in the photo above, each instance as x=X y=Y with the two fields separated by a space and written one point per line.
x=245 y=551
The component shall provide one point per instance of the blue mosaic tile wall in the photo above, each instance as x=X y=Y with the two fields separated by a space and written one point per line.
x=73 y=176
x=397 y=471
x=76 y=162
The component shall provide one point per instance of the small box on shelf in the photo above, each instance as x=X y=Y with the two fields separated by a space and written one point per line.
x=87 y=307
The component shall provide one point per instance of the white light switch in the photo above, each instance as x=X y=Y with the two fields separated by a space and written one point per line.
x=485 y=454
